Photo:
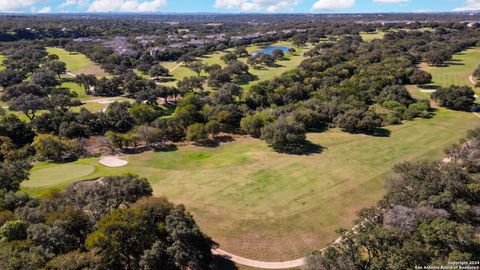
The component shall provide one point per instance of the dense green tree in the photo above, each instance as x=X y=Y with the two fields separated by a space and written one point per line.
x=158 y=71
x=299 y=39
x=278 y=53
x=88 y=81
x=121 y=237
x=253 y=124
x=285 y=135
x=196 y=67
x=228 y=57
x=142 y=113
x=50 y=147
x=420 y=77
x=44 y=78
x=28 y=105
x=18 y=131
x=9 y=77
x=57 y=67
x=118 y=118
x=455 y=97
x=358 y=121
x=241 y=51
x=197 y=133
x=122 y=141
x=213 y=128
x=150 y=135
x=108 y=87
x=13 y=230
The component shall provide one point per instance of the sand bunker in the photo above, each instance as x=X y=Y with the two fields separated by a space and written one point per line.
x=112 y=161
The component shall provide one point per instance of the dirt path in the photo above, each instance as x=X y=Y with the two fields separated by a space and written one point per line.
x=175 y=67
x=259 y=264
x=472 y=80
x=428 y=90
x=71 y=74
x=102 y=100
x=268 y=265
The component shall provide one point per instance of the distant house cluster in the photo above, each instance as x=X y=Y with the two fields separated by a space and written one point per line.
x=120 y=45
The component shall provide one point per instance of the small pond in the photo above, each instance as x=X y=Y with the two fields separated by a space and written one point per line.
x=270 y=49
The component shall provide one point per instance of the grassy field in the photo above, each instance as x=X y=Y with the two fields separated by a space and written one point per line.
x=371 y=36
x=457 y=71
x=2 y=58
x=79 y=90
x=270 y=206
x=290 y=61
x=77 y=63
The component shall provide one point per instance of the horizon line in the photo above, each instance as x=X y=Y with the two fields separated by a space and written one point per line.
x=232 y=13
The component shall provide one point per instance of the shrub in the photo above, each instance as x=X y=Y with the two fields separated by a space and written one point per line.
x=285 y=135
x=13 y=230
x=50 y=147
x=197 y=133
x=455 y=97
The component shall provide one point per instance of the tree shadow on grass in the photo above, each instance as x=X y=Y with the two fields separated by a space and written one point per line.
x=455 y=64
x=428 y=86
x=216 y=141
x=165 y=148
x=244 y=80
x=306 y=149
x=380 y=132
x=223 y=263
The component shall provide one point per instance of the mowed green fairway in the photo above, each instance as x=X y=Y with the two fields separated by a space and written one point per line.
x=268 y=206
x=77 y=63
x=458 y=70
x=45 y=175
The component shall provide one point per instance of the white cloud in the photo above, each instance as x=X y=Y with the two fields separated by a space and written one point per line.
x=45 y=10
x=16 y=5
x=391 y=1
x=74 y=3
x=126 y=5
x=258 y=5
x=469 y=5
x=333 y=4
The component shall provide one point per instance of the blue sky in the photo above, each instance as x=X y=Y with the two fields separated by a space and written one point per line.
x=236 y=6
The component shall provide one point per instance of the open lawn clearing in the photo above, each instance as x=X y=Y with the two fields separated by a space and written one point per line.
x=47 y=175
x=98 y=103
x=262 y=205
x=371 y=36
x=77 y=63
x=458 y=71
x=79 y=90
